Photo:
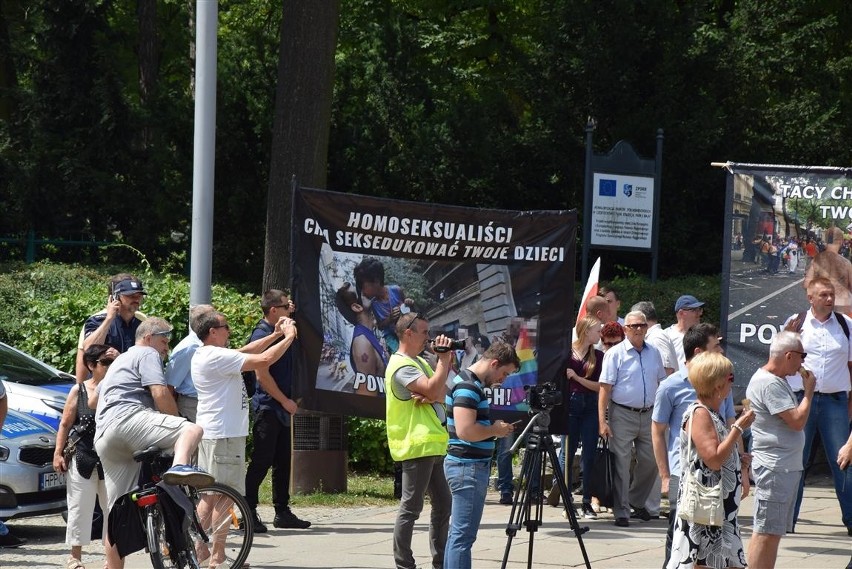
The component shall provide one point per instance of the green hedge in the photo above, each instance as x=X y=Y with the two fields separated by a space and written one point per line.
x=43 y=306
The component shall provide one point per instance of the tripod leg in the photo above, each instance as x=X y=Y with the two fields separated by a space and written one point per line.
x=567 y=501
x=530 y=468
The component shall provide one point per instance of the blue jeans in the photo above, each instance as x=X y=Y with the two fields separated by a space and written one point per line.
x=504 y=465
x=582 y=427
x=830 y=417
x=468 y=483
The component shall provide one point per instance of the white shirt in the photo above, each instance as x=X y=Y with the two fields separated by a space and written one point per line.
x=634 y=375
x=676 y=336
x=658 y=338
x=222 y=398
x=829 y=353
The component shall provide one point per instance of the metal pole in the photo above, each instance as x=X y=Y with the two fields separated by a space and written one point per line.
x=658 y=195
x=587 y=201
x=204 y=158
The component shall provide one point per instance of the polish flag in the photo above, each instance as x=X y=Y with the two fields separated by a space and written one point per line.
x=591 y=287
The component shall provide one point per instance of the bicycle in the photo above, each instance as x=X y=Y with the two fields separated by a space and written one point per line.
x=191 y=528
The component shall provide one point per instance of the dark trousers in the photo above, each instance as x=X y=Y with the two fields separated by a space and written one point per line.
x=271 y=448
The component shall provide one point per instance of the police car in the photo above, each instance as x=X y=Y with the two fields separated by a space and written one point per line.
x=28 y=484
x=34 y=387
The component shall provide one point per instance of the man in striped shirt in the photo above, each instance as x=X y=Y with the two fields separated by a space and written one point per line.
x=472 y=434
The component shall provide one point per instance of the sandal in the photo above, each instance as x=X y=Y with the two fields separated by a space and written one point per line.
x=74 y=563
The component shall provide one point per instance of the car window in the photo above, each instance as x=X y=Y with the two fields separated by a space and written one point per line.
x=18 y=368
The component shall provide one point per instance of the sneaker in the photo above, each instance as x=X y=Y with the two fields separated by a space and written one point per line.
x=188 y=475
x=288 y=520
x=588 y=512
x=259 y=526
x=622 y=522
x=506 y=499
x=10 y=541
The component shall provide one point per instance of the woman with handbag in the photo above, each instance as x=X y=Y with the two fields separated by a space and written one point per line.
x=706 y=533
x=75 y=454
x=580 y=393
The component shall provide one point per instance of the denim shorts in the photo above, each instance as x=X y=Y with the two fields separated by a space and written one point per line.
x=775 y=500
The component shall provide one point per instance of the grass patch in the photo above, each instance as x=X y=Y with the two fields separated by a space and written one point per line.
x=362 y=490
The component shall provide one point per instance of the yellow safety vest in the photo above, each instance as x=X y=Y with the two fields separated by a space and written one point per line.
x=414 y=430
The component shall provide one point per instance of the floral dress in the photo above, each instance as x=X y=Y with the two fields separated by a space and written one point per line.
x=716 y=547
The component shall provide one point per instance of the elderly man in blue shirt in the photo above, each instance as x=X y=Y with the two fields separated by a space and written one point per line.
x=630 y=374
x=178 y=374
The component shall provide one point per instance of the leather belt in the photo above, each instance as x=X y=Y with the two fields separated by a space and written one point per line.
x=834 y=395
x=634 y=409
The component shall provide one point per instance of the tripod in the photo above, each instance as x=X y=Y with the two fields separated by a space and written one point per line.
x=527 y=505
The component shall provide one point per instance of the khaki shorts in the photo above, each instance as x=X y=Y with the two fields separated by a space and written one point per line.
x=225 y=459
x=137 y=431
x=775 y=500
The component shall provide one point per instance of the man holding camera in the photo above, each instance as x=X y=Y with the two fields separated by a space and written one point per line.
x=417 y=438
x=468 y=463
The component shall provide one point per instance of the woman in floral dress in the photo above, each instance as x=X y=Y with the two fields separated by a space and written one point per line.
x=713 y=455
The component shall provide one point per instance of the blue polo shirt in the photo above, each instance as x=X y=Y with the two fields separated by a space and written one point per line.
x=121 y=335
x=674 y=395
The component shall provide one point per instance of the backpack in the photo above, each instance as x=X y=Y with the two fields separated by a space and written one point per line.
x=796 y=323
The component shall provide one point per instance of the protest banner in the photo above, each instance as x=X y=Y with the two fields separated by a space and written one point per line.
x=477 y=275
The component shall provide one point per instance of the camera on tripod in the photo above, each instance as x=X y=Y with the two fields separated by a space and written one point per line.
x=542 y=397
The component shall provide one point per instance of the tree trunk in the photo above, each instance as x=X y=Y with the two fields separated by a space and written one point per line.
x=148 y=55
x=302 y=121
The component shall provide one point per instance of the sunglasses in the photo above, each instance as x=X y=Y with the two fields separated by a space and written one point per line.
x=636 y=326
x=104 y=363
x=413 y=320
x=803 y=354
x=731 y=378
x=225 y=326
x=167 y=334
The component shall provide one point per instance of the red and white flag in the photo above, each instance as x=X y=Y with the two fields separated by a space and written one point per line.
x=591 y=287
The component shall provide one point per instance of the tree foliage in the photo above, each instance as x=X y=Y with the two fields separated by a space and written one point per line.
x=473 y=102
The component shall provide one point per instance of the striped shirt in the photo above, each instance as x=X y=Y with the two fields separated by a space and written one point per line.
x=466 y=392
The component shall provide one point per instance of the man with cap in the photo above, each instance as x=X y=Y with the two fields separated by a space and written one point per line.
x=688 y=310
x=116 y=325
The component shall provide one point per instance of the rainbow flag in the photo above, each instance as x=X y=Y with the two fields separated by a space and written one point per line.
x=526 y=375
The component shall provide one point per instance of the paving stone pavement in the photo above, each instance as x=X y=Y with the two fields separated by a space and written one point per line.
x=361 y=537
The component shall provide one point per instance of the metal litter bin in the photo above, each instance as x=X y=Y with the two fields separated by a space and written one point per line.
x=319 y=453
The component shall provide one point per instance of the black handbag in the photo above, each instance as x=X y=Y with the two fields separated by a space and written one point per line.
x=601 y=479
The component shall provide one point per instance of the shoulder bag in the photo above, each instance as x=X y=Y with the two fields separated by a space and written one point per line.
x=699 y=504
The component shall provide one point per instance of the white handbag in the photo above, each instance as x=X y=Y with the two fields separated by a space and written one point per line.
x=697 y=503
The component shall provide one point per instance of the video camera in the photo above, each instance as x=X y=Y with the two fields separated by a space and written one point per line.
x=454 y=345
x=542 y=397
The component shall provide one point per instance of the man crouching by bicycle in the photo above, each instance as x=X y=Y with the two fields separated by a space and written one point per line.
x=135 y=410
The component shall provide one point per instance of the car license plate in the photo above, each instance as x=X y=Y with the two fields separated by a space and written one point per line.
x=51 y=480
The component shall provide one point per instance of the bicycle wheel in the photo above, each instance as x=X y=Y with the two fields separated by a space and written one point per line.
x=162 y=556
x=158 y=547
x=225 y=518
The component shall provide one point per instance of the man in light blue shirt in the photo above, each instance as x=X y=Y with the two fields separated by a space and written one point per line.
x=178 y=374
x=630 y=374
x=674 y=395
